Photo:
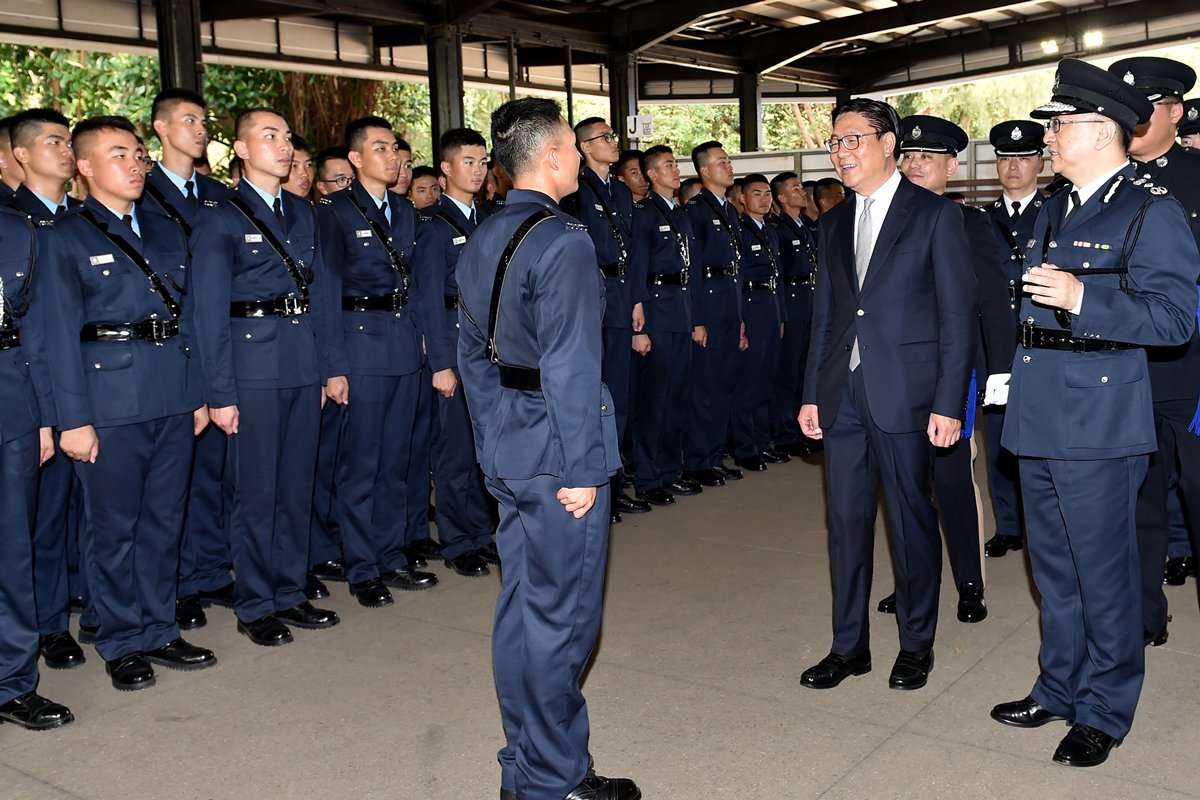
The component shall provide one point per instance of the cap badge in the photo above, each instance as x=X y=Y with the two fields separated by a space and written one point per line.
x=1193 y=113
x=916 y=132
x=1016 y=133
x=1129 y=78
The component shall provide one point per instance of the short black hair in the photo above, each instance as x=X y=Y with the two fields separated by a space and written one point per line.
x=329 y=154
x=881 y=116
x=166 y=101
x=779 y=180
x=521 y=128
x=755 y=177
x=686 y=185
x=85 y=131
x=424 y=172
x=624 y=159
x=456 y=139
x=808 y=184
x=823 y=187
x=244 y=120
x=300 y=145
x=6 y=132
x=700 y=153
x=585 y=125
x=356 y=130
x=25 y=126
x=652 y=156
x=201 y=161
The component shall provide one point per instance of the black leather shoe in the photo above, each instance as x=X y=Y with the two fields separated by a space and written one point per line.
x=795 y=449
x=1025 y=713
x=409 y=580
x=1157 y=639
x=627 y=505
x=426 y=548
x=683 y=488
x=887 y=605
x=751 y=463
x=704 y=477
x=267 y=631
x=130 y=672
x=728 y=473
x=469 y=565
x=911 y=670
x=1000 y=544
x=33 y=712
x=489 y=553
x=1178 y=569
x=88 y=633
x=218 y=597
x=189 y=613
x=775 y=457
x=971 y=607
x=508 y=794
x=306 y=615
x=833 y=669
x=314 y=589
x=657 y=497
x=371 y=593
x=75 y=605
x=181 y=655
x=1084 y=746
x=597 y=787
x=330 y=570
x=614 y=518
x=59 y=651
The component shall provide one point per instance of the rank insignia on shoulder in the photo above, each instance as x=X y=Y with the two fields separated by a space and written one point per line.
x=572 y=225
x=210 y=203
x=45 y=223
x=996 y=204
x=1158 y=191
x=325 y=201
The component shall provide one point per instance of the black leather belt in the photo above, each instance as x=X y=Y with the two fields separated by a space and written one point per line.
x=9 y=339
x=613 y=270
x=522 y=379
x=152 y=330
x=801 y=280
x=383 y=302
x=451 y=301
x=1038 y=338
x=765 y=285
x=723 y=271
x=289 y=306
x=667 y=278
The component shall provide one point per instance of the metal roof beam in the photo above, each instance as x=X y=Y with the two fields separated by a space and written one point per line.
x=649 y=24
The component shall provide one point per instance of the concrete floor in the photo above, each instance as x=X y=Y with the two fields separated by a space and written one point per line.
x=714 y=607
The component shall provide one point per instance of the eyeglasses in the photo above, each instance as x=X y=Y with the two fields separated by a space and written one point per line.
x=608 y=138
x=341 y=181
x=1055 y=125
x=850 y=141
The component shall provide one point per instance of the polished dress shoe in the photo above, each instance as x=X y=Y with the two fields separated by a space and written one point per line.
x=508 y=794
x=1027 y=713
x=796 y=449
x=130 y=672
x=489 y=553
x=597 y=787
x=306 y=615
x=728 y=473
x=330 y=570
x=625 y=504
x=1151 y=639
x=751 y=464
x=833 y=669
x=75 y=605
x=704 y=477
x=181 y=655
x=657 y=497
x=971 y=607
x=218 y=597
x=1178 y=569
x=1084 y=746
x=469 y=565
x=911 y=670
x=189 y=613
x=683 y=488
x=267 y=631
x=88 y=633
x=371 y=593
x=409 y=580
x=887 y=605
x=314 y=589
x=35 y=713
x=614 y=518
x=775 y=457
x=1001 y=543
x=414 y=557
x=426 y=548
x=59 y=651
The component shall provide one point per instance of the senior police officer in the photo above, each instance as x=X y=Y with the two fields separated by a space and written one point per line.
x=1112 y=268
x=545 y=435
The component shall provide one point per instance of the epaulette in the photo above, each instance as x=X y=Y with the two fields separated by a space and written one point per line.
x=211 y=203
x=1149 y=186
x=572 y=225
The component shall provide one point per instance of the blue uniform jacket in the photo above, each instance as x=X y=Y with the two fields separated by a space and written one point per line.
x=997 y=327
x=439 y=246
x=716 y=299
x=761 y=262
x=1094 y=405
x=588 y=206
x=232 y=262
x=86 y=278
x=369 y=342
x=206 y=189
x=551 y=308
x=658 y=249
x=25 y=400
x=28 y=203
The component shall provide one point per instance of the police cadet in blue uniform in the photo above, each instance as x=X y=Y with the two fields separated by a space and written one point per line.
x=662 y=261
x=605 y=205
x=764 y=318
x=1174 y=469
x=464 y=520
x=529 y=354
x=1018 y=146
x=41 y=142
x=11 y=173
x=179 y=119
x=1112 y=268
x=368 y=235
x=717 y=330
x=128 y=397
x=26 y=414
x=263 y=320
x=797 y=260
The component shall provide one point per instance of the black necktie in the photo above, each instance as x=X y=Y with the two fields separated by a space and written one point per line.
x=1016 y=209
x=1075 y=204
x=60 y=211
x=473 y=220
x=128 y=220
x=279 y=209
x=190 y=189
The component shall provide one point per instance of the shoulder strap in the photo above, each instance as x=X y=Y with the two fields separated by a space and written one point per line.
x=172 y=212
x=612 y=223
x=398 y=260
x=501 y=269
x=685 y=248
x=442 y=214
x=720 y=212
x=129 y=250
x=7 y=312
x=302 y=278
x=761 y=236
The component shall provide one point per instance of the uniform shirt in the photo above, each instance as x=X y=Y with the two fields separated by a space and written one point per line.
x=881 y=202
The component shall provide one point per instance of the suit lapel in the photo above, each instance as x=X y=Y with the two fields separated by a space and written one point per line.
x=893 y=225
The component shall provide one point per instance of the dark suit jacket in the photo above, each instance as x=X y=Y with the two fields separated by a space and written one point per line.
x=916 y=317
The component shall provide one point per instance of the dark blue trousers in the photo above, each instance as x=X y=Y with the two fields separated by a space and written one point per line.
x=325 y=540
x=420 y=459
x=789 y=378
x=713 y=377
x=658 y=420
x=373 y=471
x=18 y=619
x=1003 y=475
x=954 y=481
x=53 y=521
x=134 y=497
x=547 y=621
x=858 y=456
x=204 y=557
x=464 y=517
x=272 y=461
x=1079 y=520
x=756 y=368
x=615 y=372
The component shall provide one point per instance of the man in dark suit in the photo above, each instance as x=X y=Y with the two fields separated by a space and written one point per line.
x=893 y=337
x=1112 y=268
x=529 y=353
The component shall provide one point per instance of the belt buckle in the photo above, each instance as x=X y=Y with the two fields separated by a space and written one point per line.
x=771 y=283
x=400 y=299
x=1027 y=335
x=291 y=306
x=158 y=329
x=684 y=273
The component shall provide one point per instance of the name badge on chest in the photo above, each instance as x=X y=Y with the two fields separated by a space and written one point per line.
x=362 y=234
x=716 y=223
x=756 y=247
x=598 y=207
x=459 y=240
x=253 y=238
x=664 y=228
x=107 y=258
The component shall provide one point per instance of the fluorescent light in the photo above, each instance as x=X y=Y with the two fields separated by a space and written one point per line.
x=1093 y=40
x=1050 y=46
